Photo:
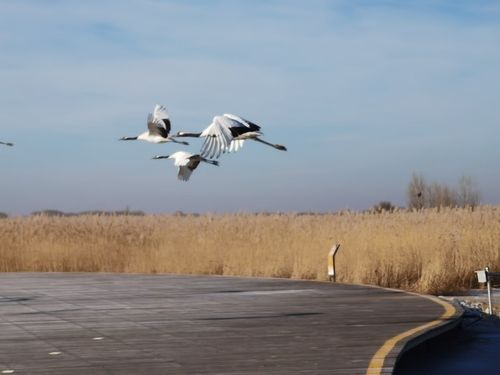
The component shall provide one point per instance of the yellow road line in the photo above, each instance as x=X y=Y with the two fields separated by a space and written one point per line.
x=377 y=362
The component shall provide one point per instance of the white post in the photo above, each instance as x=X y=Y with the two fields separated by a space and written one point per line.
x=331 y=262
x=488 y=283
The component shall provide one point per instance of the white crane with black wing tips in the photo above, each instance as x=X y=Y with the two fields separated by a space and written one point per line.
x=186 y=162
x=6 y=143
x=227 y=133
x=158 y=128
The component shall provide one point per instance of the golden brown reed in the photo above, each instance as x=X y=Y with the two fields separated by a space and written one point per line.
x=430 y=251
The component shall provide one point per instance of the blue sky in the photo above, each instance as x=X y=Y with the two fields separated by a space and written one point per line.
x=363 y=94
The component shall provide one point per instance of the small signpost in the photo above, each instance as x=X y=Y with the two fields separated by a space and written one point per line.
x=331 y=262
x=484 y=276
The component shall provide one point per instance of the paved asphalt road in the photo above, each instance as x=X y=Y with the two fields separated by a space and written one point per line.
x=77 y=323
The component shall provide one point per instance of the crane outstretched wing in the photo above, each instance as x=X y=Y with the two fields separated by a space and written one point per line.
x=218 y=137
x=238 y=127
x=182 y=161
x=159 y=122
x=157 y=127
x=236 y=144
x=243 y=126
x=184 y=173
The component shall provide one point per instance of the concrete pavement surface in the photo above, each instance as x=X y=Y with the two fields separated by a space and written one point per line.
x=84 y=323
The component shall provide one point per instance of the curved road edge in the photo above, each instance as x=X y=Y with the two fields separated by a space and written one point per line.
x=385 y=358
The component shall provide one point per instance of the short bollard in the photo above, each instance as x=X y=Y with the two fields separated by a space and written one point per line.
x=331 y=262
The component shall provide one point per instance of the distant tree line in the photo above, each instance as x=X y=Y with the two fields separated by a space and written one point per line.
x=125 y=212
x=421 y=194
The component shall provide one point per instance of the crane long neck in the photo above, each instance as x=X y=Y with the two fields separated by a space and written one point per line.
x=188 y=134
x=172 y=139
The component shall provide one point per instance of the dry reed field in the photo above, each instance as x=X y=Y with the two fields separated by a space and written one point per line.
x=429 y=251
